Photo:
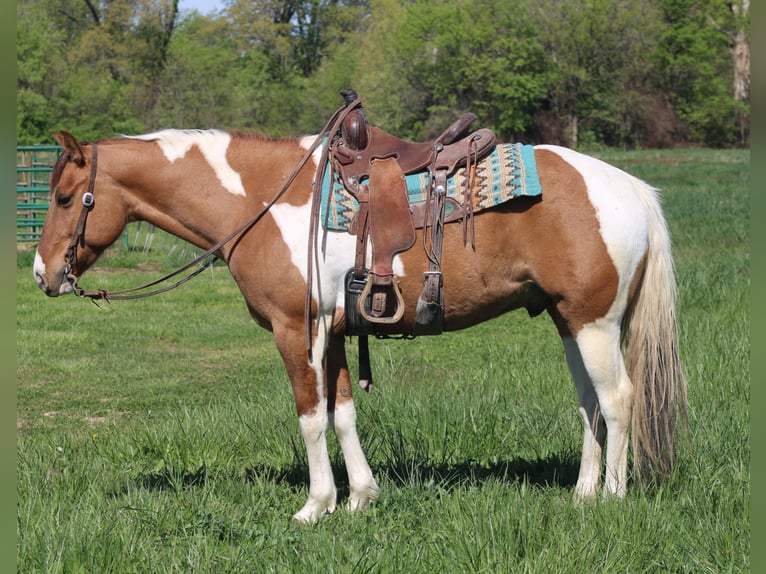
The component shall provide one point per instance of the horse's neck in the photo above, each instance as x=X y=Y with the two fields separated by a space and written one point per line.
x=189 y=199
x=165 y=194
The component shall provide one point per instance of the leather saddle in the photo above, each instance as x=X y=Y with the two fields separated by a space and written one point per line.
x=372 y=165
x=361 y=145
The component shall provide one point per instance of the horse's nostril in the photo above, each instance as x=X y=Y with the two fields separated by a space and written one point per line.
x=40 y=281
x=38 y=270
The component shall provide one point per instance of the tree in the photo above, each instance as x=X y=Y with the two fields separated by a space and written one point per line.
x=738 y=34
x=295 y=33
x=601 y=85
x=423 y=63
x=596 y=72
x=697 y=69
x=195 y=88
x=38 y=45
x=108 y=59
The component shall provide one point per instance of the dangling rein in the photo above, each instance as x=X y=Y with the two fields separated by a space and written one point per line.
x=88 y=201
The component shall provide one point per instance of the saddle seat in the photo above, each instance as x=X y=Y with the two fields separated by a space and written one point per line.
x=362 y=144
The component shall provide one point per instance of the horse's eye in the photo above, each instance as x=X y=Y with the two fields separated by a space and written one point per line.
x=63 y=200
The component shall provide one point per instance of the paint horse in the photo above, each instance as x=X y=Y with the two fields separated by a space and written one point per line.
x=593 y=252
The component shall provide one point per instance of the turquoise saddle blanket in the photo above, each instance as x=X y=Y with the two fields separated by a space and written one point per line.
x=508 y=172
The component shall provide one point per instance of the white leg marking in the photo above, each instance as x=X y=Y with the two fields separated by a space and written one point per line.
x=322 y=492
x=599 y=345
x=363 y=487
x=593 y=439
x=175 y=144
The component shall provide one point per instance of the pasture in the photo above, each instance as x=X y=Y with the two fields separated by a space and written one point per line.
x=160 y=435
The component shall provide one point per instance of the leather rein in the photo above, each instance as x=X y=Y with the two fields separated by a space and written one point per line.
x=70 y=259
x=88 y=202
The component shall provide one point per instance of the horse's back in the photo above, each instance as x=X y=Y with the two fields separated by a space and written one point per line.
x=574 y=250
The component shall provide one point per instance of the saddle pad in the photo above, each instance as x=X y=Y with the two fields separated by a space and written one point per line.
x=509 y=171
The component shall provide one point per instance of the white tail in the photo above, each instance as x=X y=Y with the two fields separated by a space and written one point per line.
x=650 y=338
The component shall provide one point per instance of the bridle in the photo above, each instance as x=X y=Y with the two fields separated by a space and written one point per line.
x=88 y=202
x=78 y=239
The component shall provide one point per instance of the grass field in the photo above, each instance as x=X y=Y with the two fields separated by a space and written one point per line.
x=160 y=435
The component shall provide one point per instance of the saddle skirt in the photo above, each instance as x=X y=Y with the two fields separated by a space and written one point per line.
x=509 y=171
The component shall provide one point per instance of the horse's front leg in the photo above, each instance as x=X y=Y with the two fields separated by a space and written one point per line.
x=308 y=381
x=362 y=485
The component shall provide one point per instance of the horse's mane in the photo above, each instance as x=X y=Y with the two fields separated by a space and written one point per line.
x=174 y=135
x=170 y=135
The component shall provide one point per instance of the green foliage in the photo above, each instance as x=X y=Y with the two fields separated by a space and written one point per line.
x=696 y=69
x=600 y=85
x=424 y=62
x=38 y=50
x=622 y=73
x=459 y=56
x=194 y=90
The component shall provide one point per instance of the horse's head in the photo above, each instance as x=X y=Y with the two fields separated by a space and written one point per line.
x=85 y=217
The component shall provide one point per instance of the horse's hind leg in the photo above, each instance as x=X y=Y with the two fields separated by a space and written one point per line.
x=594 y=431
x=605 y=392
x=342 y=412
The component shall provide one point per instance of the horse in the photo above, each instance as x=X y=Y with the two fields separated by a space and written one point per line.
x=593 y=252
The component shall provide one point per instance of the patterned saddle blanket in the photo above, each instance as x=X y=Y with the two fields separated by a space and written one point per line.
x=508 y=172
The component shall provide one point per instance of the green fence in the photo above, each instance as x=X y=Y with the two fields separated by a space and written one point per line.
x=33 y=168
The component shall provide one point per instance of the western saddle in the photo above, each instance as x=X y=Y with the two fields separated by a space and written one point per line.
x=372 y=165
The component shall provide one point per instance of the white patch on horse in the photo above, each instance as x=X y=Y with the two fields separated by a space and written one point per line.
x=306 y=143
x=213 y=144
x=622 y=216
x=38 y=268
x=597 y=342
x=336 y=249
x=322 y=492
x=362 y=485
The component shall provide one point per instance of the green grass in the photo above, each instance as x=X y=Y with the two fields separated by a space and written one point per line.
x=160 y=435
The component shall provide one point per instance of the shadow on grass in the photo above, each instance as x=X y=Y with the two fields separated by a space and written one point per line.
x=553 y=471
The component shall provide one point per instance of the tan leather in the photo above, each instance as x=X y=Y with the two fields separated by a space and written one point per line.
x=354 y=165
x=391 y=228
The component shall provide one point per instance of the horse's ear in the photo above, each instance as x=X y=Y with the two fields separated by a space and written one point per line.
x=70 y=145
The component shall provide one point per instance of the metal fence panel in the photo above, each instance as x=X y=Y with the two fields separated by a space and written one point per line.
x=34 y=165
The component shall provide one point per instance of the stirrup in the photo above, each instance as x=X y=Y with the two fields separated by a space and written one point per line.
x=395 y=318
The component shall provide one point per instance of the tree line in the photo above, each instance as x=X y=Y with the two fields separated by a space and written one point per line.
x=617 y=73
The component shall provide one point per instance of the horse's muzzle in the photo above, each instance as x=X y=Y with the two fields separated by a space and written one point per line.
x=60 y=285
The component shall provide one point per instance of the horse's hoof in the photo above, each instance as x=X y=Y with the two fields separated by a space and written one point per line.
x=311 y=513
x=363 y=499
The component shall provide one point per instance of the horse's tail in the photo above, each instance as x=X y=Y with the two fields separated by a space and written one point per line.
x=650 y=339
